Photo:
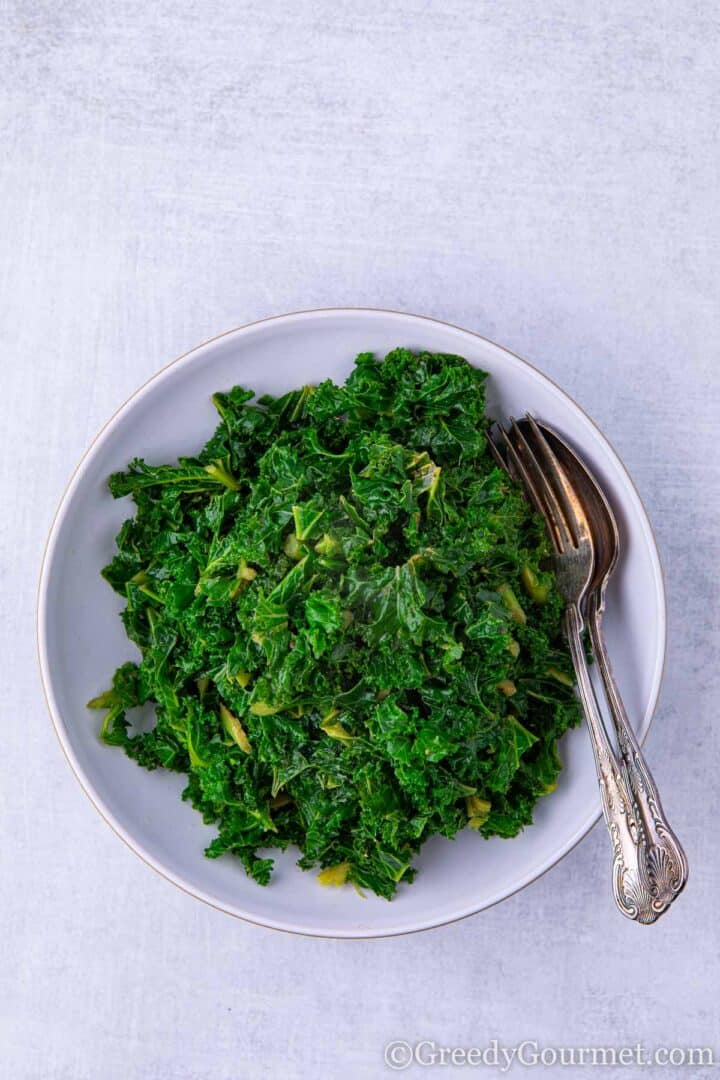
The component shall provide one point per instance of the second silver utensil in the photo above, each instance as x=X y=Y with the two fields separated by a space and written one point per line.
x=664 y=867
x=646 y=875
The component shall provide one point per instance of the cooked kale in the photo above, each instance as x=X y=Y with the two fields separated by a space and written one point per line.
x=347 y=629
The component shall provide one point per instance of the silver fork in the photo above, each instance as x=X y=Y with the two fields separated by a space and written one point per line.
x=553 y=496
x=662 y=856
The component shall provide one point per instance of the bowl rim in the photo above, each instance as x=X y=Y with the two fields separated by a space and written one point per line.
x=60 y=727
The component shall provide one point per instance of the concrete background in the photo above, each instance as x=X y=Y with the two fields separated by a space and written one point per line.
x=546 y=174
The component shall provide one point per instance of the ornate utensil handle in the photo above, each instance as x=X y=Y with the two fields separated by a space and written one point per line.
x=662 y=865
x=626 y=833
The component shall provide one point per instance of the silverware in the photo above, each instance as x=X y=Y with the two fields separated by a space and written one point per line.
x=663 y=865
x=532 y=460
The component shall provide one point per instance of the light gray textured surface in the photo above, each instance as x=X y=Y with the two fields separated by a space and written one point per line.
x=545 y=174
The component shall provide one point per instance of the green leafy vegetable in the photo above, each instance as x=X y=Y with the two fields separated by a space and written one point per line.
x=347 y=631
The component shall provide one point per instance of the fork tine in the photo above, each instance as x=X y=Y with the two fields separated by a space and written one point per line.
x=553 y=510
x=557 y=477
x=499 y=460
x=531 y=490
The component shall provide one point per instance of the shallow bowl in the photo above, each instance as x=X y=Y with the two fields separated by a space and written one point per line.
x=81 y=639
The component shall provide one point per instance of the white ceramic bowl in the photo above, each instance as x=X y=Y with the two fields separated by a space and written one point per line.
x=81 y=639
